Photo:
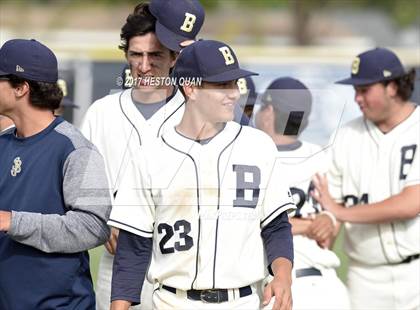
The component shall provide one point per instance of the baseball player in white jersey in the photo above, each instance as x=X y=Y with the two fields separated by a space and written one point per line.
x=119 y=124
x=206 y=201
x=286 y=106
x=375 y=175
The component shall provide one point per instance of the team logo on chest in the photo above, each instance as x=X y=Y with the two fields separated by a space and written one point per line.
x=17 y=167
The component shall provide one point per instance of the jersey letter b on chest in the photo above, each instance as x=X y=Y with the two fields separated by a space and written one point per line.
x=407 y=157
x=248 y=180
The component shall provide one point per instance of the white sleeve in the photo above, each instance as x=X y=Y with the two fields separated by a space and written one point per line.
x=335 y=173
x=134 y=208
x=88 y=121
x=277 y=197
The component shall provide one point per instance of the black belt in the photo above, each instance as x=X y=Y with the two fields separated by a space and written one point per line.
x=306 y=272
x=410 y=258
x=211 y=295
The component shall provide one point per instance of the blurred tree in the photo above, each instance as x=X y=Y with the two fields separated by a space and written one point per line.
x=302 y=14
x=403 y=12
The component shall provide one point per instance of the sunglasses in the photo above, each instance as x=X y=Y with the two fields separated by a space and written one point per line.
x=4 y=78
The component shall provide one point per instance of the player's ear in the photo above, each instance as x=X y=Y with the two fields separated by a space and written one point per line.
x=21 y=89
x=189 y=91
x=269 y=114
x=269 y=109
x=392 y=89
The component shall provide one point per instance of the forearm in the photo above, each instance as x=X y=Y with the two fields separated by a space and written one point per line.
x=380 y=212
x=282 y=268
x=403 y=206
x=120 y=305
x=69 y=233
x=300 y=226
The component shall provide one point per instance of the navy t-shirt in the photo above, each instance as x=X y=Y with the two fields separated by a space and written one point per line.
x=32 y=172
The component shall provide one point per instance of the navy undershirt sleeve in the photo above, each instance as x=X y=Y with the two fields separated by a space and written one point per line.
x=130 y=265
x=278 y=239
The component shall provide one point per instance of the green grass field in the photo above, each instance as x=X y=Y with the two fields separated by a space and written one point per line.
x=96 y=253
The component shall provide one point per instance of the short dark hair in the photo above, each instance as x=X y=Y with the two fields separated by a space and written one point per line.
x=405 y=84
x=41 y=94
x=138 y=23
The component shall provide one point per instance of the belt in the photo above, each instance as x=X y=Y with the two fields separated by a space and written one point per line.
x=410 y=258
x=211 y=295
x=306 y=272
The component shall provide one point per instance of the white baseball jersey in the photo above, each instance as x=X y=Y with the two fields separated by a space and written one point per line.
x=369 y=166
x=118 y=129
x=301 y=161
x=204 y=206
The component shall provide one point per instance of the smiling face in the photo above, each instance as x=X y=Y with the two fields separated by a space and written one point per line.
x=148 y=58
x=215 y=102
x=375 y=101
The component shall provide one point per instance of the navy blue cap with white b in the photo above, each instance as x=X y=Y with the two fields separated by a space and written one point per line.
x=247 y=86
x=177 y=21
x=375 y=65
x=28 y=59
x=212 y=61
x=287 y=90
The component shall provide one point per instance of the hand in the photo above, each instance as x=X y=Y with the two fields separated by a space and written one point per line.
x=111 y=244
x=326 y=244
x=323 y=196
x=321 y=229
x=5 y=220
x=186 y=43
x=281 y=289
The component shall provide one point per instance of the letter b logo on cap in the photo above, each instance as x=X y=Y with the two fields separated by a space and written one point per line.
x=242 y=85
x=227 y=54
x=189 y=21
x=355 y=65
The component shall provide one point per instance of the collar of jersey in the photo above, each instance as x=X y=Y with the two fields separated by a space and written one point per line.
x=34 y=138
x=137 y=119
x=216 y=145
x=379 y=136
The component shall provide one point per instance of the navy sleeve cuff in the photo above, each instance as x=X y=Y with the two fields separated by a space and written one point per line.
x=130 y=265
x=278 y=239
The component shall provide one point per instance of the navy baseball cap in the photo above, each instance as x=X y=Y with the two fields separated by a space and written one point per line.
x=177 y=21
x=288 y=92
x=247 y=87
x=293 y=101
x=372 y=66
x=212 y=61
x=28 y=59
